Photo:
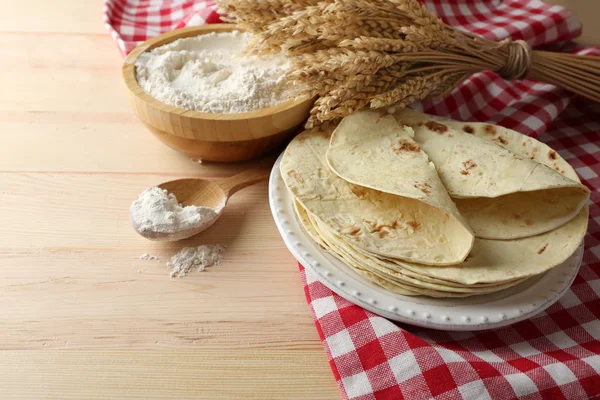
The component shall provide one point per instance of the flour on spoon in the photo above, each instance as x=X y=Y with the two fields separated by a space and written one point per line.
x=156 y=210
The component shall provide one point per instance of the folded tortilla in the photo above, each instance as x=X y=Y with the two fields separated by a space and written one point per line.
x=323 y=199
x=414 y=284
x=502 y=194
x=419 y=225
x=493 y=265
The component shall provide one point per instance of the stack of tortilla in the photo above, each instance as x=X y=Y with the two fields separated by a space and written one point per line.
x=441 y=209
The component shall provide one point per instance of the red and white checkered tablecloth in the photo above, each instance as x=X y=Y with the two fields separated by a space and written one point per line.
x=556 y=354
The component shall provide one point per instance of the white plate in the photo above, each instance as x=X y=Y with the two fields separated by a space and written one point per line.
x=464 y=314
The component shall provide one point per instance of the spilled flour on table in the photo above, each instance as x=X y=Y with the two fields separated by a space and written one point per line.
x=147 y=256
x=195 y=258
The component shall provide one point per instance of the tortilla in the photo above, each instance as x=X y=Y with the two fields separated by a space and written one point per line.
x=502 y=260
x=502 y=194
x=406 y=228
x=390 y=272
x=307 y=224
x=520 y=144
x=504 y=263
x=359 y=264
x=492 y=265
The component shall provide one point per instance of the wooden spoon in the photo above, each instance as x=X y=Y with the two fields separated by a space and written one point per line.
x=200 y=192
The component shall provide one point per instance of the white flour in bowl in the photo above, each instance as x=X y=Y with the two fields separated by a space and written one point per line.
x=209 y=73
x=156 y=210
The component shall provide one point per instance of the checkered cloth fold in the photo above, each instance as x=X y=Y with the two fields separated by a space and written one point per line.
x=554 y=355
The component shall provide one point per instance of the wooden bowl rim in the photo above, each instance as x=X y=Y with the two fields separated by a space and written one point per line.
x=130 y=79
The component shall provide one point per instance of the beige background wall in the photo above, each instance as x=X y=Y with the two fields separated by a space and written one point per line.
x=588 y=11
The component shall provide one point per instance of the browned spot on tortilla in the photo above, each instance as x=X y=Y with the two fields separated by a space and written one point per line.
x=378 y=120
x=383 y=230
x=353 y=231
x=468 y=165
x=562 y=171
x=383 y=234
x=489 y=129
x=436 y=127
x=414 y=224
x=552 y=155
x=524 y=144
x=500 y=139
x=294 y=174
x=517 y=216
x=405 y=145
x=540 y=251
x=423 y=187
x=556 y=169
x=534 y=152
x=519 y=158
x=451 y=135
x=358 y=191
x=324 y=134
x=528 y=222
x=301 y=139
x=469 y=129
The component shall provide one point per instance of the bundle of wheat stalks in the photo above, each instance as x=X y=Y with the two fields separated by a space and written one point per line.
x=383 y=53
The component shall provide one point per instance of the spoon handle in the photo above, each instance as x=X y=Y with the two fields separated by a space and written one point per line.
x=243 y=179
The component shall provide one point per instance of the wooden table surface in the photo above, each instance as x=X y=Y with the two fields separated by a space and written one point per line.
x=79 y=311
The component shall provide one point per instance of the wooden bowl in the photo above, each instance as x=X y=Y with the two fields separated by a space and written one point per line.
x=212 y=137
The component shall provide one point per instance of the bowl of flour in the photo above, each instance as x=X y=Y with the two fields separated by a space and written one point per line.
x=197 y=91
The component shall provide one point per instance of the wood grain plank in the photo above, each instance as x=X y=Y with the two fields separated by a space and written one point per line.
x=90 y=136
x=56 y=16
x=59 y=50
x=98 y=143
x=197 y=374
x=92 y=211
x=70 y=277
x=72 y=260
x=65 y=72
x=67 y=298
x=62 y=89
